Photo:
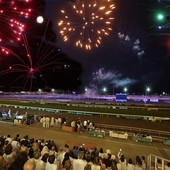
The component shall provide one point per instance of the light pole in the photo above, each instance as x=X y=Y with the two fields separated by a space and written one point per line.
x=104 y=90
x=125 y=90
x=148 y=90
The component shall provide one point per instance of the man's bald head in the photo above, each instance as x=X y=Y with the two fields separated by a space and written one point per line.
x=30 y=165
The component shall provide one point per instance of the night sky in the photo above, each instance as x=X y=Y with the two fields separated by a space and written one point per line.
x=117 y=57
x=135 y=55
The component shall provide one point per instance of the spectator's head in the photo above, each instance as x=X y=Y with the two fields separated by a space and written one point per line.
x=31 y=153
x=15 y=145
x=138 y=161
x=29 y=165
x=8 y=149
x=44 y=150
x=81 y=154
x=122 y=158
x=108 y=151
x=159 y=161
x=45 y=157
x=51 y=159
x=130 y=161
x=143 y=158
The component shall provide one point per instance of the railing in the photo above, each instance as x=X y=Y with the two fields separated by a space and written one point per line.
x=155 y=162
x=158 y=136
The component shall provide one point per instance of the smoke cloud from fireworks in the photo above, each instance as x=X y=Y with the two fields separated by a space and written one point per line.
x=101 y=77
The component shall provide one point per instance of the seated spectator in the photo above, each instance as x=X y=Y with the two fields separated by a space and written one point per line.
x=8 y=154
x=41 y=163
x=30 y=165
x=51 y=165
x=19 y=162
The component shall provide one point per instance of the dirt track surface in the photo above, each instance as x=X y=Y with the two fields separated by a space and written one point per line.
x=130 y=148
x=110 y=120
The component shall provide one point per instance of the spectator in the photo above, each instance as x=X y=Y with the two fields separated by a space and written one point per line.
x=143 y=163
x=30 y=165
x=130 y=165
x=51 y=163
x=167 y=166
x=159 y=165
x=19 y=162
x=67 y=164
x=123 y=162
x=138 y=165
x=80 y=163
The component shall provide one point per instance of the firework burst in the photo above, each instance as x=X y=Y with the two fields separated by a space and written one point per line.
x=86 y=22
x=31 y=63
x=13 y=15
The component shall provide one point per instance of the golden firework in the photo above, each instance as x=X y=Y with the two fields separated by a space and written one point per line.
x=86 y=22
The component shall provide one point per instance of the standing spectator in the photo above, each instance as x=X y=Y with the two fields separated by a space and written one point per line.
x=159 y=165
x=130 y=165
x=73 y=124
x=47 y=120
x=143 y=163
x=59 y=121
x=119 y=154
x=85 y=125
x=35 y=118
x=67 y=164
x=101 y=153
x=43 y=121
x=80 y=163
x=52 y=121
x=123 y=162
x=96 y=164
x=138 y=165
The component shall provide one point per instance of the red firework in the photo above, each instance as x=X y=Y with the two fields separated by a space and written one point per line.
x=13 y=15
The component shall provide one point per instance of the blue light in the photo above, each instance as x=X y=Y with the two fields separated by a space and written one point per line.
x=159 y=27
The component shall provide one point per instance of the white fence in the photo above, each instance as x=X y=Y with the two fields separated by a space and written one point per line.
x=157 y=163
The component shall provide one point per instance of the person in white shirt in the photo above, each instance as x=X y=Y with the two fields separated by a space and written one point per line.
x=43 y=121
x=79 y=164
x=52 y=121
x=47 y=122
x=51 y=165
x=123 y=162
x=138 y=165
x=130 y=165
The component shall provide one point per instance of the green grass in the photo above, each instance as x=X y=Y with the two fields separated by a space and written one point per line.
x=130 y=109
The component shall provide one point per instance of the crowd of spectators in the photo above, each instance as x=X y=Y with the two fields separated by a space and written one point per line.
x=37 y=154
x=27 y=153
